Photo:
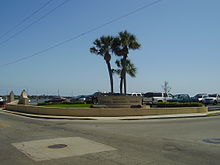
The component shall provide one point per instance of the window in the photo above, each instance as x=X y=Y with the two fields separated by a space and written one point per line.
x=157 y=95
x=213 y=95
x=148 y=95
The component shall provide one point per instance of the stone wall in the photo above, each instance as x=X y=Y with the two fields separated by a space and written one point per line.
x=103 y=112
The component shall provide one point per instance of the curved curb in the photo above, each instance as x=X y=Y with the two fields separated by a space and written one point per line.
x=47 y=116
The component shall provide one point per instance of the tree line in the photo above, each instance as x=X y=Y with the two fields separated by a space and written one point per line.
x=119 y=45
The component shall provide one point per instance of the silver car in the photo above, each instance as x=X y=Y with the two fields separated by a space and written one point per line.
x=212 y=99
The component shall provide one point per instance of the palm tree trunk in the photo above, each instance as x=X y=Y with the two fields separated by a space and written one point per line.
x=121 y=85
x=125 y=85
x=110 y=75
x=124 y=74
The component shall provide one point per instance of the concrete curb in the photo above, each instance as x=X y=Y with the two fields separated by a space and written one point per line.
x=193 y=115
x=47 y=116
x=167 y=116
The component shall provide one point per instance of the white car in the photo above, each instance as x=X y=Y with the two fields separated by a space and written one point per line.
x=136 y=94
x=201 y=97
x=155 y=97
x=212 y=99
x=1 y=99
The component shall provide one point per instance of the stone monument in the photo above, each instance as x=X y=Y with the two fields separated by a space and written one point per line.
x=120 y=101
x=11 y=97
x=24 y=98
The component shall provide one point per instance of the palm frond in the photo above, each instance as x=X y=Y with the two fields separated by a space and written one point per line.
x=131 y=70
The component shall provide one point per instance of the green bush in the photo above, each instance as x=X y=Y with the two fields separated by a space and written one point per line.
x=176 y=104
x=68 y=105
x=40 y=104
x=64 y=102
x=72 y=102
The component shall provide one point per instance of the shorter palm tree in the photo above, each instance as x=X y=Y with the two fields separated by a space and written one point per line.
x=131 y=70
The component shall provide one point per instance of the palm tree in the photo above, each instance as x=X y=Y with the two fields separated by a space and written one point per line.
x=131 y=70
x=121 y=46
x=103 y=47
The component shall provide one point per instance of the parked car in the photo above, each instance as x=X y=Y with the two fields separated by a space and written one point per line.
x=73 y=98
x=153 y=97
x=1 y=99
x=201 y=97
x=82 y=98
x=183 y=98
x=136 y=94
x=56 y=100
x=2 y=102
x=88 y=99
x=212 y=99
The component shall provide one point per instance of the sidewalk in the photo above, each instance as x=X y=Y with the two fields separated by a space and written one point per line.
x=213 y=113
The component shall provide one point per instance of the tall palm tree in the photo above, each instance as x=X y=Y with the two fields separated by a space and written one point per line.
x=131 y=70
x=102 y=46
x=121 y=46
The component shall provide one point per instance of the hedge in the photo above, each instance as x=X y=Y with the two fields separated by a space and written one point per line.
x=177 y=104
x=64 y=102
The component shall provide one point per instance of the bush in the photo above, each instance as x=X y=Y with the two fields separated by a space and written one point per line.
x=64 y=102
x=72 y=102
x=176 y=104
x=40 y=104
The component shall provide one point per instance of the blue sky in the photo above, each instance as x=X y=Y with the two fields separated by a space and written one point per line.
x=180 y=44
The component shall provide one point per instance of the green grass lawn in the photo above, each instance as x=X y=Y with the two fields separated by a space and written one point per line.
x=68 y=105
x=214 y=114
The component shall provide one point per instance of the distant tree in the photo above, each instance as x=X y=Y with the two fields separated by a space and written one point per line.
x=102 y=46
x=131 y=70
x=166 y=87
x=121 y=46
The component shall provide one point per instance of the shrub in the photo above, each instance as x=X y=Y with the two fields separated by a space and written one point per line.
x=177 y=104
x=72 y=102
x=40 y=104
x=64 y=102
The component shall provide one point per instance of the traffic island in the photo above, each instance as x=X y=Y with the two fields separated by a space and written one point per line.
x=102 y=112
x=108 y=106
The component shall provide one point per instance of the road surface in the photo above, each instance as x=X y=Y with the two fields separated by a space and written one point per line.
x=28 y=141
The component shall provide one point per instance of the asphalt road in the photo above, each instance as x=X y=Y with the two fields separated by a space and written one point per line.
x=138 y=142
